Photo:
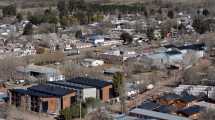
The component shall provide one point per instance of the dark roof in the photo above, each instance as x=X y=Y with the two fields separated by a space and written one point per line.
x=90 y=82
x=199 y=46
x=191 y=110
x=149 y=105
x=188 y=98
x=170 y=96
x=50 y=90
x=173 y=67
x=68 y=84
x=169 y=46
x=173 y=52
x=165 y=109
x=29 y=92
x=20 y=91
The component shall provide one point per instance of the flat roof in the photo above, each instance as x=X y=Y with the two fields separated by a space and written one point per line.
x=31 y=93
x=90 y=82
x=199 y=46
x=69 y=84
x=158 y=115
x=50 y=90
x=173 y=52
x=149 y=105
x=191 y=110
x=38 y=69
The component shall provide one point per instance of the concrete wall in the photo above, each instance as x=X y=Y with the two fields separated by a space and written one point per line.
x=89 y=92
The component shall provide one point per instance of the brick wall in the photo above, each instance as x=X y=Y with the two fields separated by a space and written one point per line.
x=106 y=93
x=52 y=104
x=67 y=100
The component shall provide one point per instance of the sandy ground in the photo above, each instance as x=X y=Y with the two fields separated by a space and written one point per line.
x=16 y=114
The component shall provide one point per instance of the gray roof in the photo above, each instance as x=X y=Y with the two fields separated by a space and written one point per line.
x=158 y=115
x=39 y=69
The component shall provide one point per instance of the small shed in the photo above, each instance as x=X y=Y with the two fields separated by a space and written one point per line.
x=92 y=62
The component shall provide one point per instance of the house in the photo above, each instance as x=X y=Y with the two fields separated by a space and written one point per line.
x=104 y=88
x=168 y=99
x=92 y=62
x=148 y=114
x=117 y=55
x=96 y=39
x=158 y=58
x=206 y=105
x=196 y=90
x=131 y=89
x=2 y=86
x=174 y=56
x=42 y=98
x=80 y=45
x=50 y=74
x=149 y=105
x=192 y=112
x=82 y=91
x=198 y=48
x=71 y=51
x=112 y=71
x=3 y=97
x=165 y=109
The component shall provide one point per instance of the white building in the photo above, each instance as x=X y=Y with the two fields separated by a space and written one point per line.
x=83 y=91
x=92 y=62
x=96 y=39
x=50 y=74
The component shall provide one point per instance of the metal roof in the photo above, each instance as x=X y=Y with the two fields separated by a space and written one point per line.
x=200 y=46
x=50 y=90
x=158 y=115
x=38 y=69
x=69 y=84
x=31 y=93
x=191 y=110
x=149 y=105
x=165 y=109
x=173 y=52
x=170 y=96
x=97 y=83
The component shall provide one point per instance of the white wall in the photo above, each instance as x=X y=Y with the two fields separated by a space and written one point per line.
x=89 y=92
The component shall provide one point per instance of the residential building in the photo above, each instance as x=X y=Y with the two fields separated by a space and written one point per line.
x=148 y=114
x=96 y=39
x=92 y=62
x=104 y=88
x=42 y=98
x=192 y=112
x=49 y=74
x=82 y=91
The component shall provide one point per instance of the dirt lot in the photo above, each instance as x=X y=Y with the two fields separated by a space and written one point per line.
x=16 y=114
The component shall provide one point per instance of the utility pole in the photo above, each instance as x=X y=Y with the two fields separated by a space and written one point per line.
x=123 y=96
x=80 y=109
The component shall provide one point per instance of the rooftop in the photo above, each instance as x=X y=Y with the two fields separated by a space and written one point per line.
x=159 y=115
x=149 y=105
x=170 y=96
x=199 y=46
x=173 y=52
x=191 y=110
x=90 y=82
x=28 y=92
x=69 y=84
x=165 y=109
x=50 y=90
x=39 y=69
